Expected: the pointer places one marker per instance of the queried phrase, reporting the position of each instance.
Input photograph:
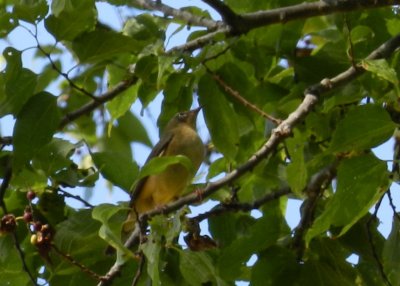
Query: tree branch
(307, 10)
(92, 105)
(234, 207)
(6, 140)
(230, 18)
(4, 186)
(22, 257)
(314, 190)
(76, 197)
(198, 42)
(250, 21)
(186, 16)
(372, 244)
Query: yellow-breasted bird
(179, 138)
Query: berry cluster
(41, 234)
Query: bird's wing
(157, 151)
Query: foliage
(294, 102)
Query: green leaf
(167, 228)
(117, 168)
(52, 206)
(228, 227)
(276, 266)
(28, 178)
(197, 268)
(119, 105)
(35, 126)
(360, 182)
(71, 20)
(10, 264)
(381, 68)
(320, 274)
(79, 229)
(391, 259)
(145, 28)
(147, 92)
(55, 156)
(264, 233)
(393, 26)
(361, 33)
(177, 96)
(31, 11)
(57, 6)
(152, 249)
(132, 129)
(73, 177)
(296, 171)
(102, 45)
(159, 164)
(111, 218)
(147, 68)
(7, 23)
(364, 127)
(219, 116)
(19, 83)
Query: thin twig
(198, 42)
(84, 269)
(389, 194)
(139, 270)
(63, 74)
(89, 107)
(372, 244)
(22, 257)
(54, 66)
(241, 99)
(76, 197)
(314, 190)
(6, 140)
(245, 207)
(351, 50)
(217, 55)
(4, 186)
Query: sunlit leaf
(364, 127)
(35, 126)
(382, 69)
(220, 117)
(360, 182)
(116, 167)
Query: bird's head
(185, 117)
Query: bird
(180, 137)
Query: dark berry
(8, 223)
(28, 216)
(38, 226)
(30, 195)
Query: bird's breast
(187, 142)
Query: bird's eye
(182, 116)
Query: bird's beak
(193, 115)
(196, 110)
